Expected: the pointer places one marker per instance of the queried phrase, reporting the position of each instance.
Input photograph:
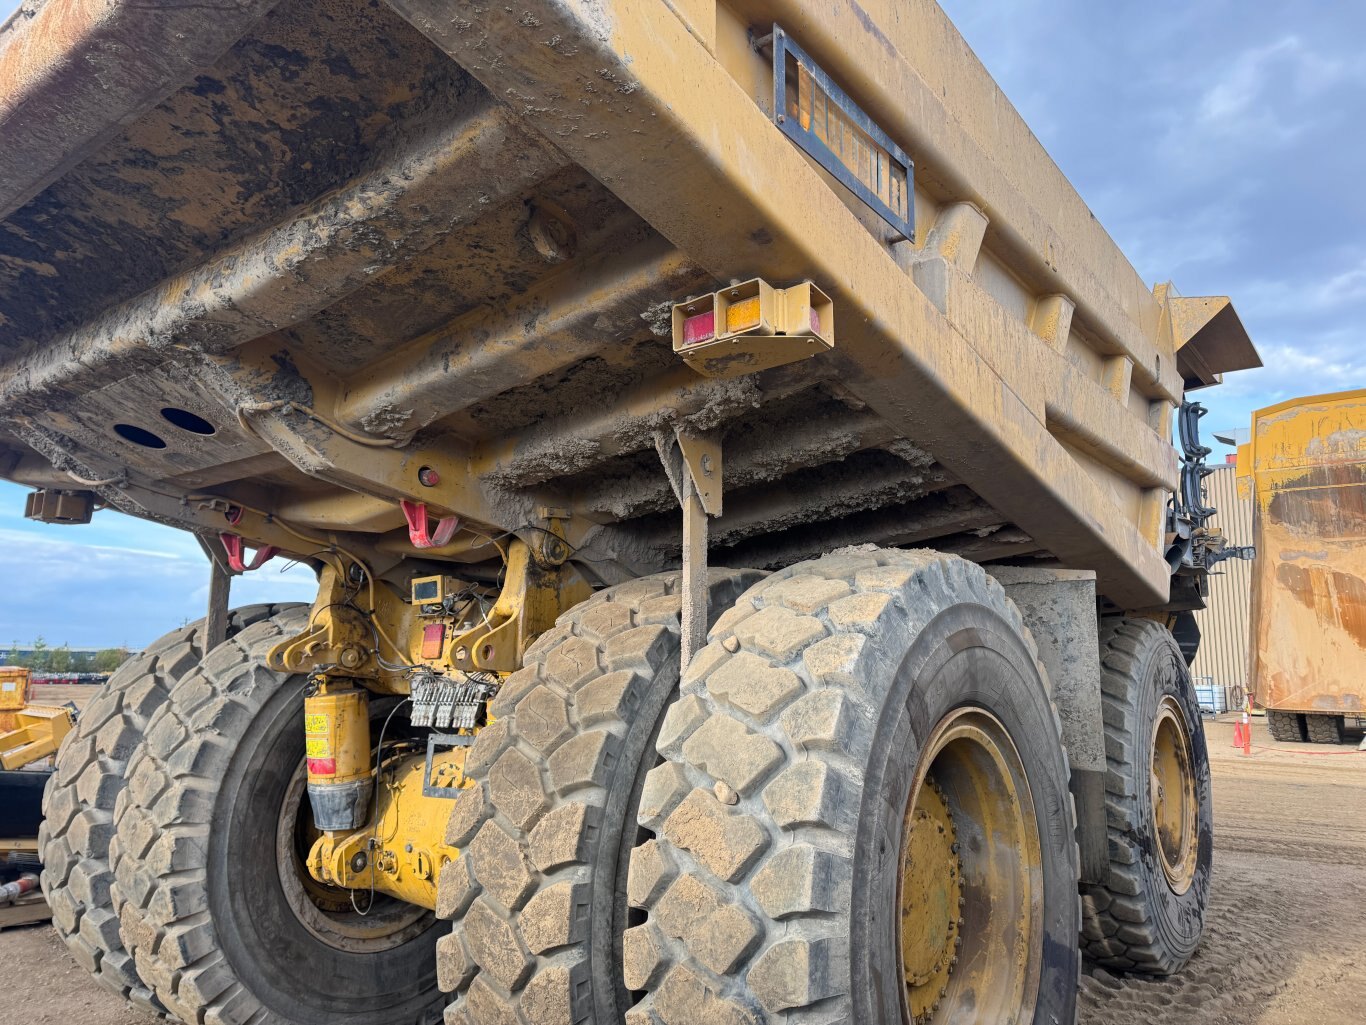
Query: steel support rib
(488, 353)
(643, 106)
(295, 269)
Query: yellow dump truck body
(1306, 466)
(294, 255)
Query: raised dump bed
(1305, 468)
(482, 310)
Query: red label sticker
(322, 766)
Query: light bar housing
(753, 326)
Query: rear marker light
(701, 328)
(433, 636)
(742, 315)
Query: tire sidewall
(966, 655)
(610, 907)
(1178, 918)
(297, 977)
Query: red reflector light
(433, 637)
(701, 328)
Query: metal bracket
(702, 459)
(696, 457)
(694, 467)
(442, 742)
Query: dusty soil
(1286, 943)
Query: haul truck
(516, 324)
(1304, 466)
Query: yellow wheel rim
(970, 893)
(1174, 802)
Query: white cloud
(115, 581)
(1261, 79)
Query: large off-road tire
(538, 896)
(1324, 729)
(214, 903)
(863, 815)
(1150, 914)
(79, 802)
(1287, 727)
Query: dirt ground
(1286, 942)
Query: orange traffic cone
(1242, 734)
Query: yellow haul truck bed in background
(1306, 466)
(514, 322)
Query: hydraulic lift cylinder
(337, 746)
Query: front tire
(863, 814)
(1149, 915)
(214, 901)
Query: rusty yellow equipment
(514, 323)
(1305, 467)
(38, 732)
(15, 682)
(29, 735)
(28, 732)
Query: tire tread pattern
(746, 883)
(1120, 925)
(1324, 729)
(81, 794)
(1287, 727)
(522, 892)
(160, 849)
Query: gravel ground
(1286, 943)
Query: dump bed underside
(450, 237)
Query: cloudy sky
(1220, 142)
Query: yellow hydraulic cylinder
(337, 747)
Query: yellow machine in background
(28, 733)
(1305, 466)
(14, 689)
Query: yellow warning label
(315, 722)
(317, 747)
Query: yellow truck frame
(491, 315)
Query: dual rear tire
(862, 813)
(855, 808)
(78, 806)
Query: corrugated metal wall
(1223, 651)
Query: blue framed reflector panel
(818, 116)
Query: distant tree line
(40, 657)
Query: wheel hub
(1175, 805)
(335, 916)
(931, 889)
(970, 886)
